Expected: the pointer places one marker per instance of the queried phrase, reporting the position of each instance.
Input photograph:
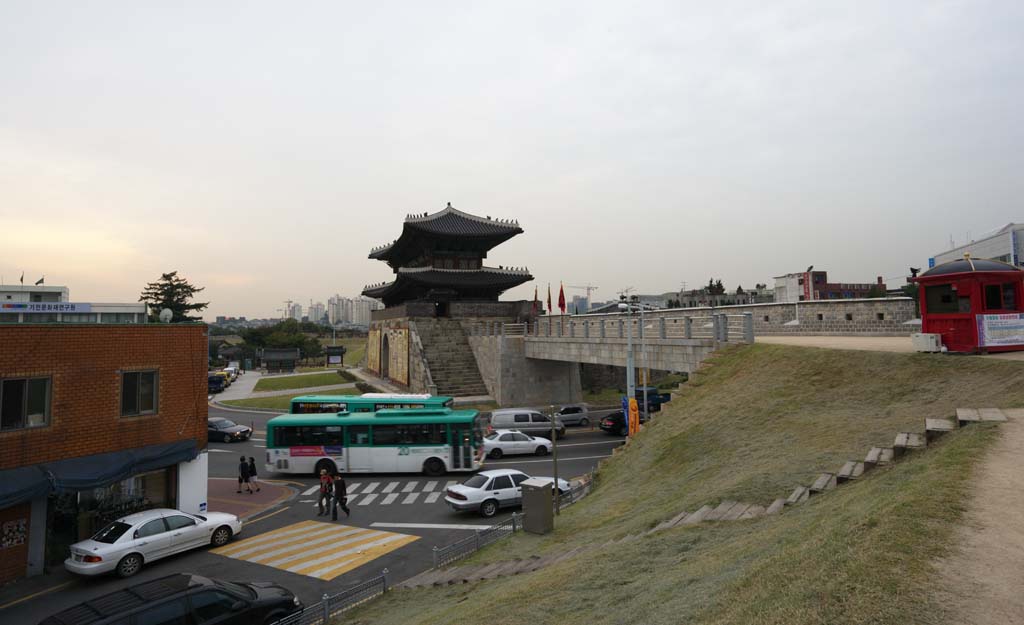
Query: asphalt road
(391, 529)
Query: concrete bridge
(521, 362)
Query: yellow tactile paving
(316, 549)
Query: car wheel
(541, 450)
(433, 467)
(496, 453)
(129, 565)
(488, 508)
(584, 422)
(327, 465)
(227, 438)
(221, 536)
(623, 431)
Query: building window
(880, 316)
(821, 317)
(849, 316)
(993, 297)
(8, 317)
(139, 393)
(941, 298)
(24, 403)
(766, 319)
(1009, 296)
(78, 317)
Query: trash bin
(537, 506)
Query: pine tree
(174, 293)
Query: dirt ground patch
(981, 583)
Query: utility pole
(554, 462)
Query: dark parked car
(226, 430)
(214, 384)
(184, 598)
(615, 423)
(574, 415)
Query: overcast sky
(261, 149)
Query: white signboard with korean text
(45, 307)
(1000, 330)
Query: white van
(527, 421)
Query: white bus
(430, 441)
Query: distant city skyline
(262, 153)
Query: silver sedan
(129, 542)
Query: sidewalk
(241, 387)
(308, 390)
(222, 497)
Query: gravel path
(982, 582)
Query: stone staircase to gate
(450, 359)
(903, 444)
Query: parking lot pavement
(409, 507)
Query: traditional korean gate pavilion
(974, 304)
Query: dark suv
(615, 423)
(184, 598)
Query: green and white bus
(426, 440)
(367, 402)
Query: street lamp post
(643, 352)
(554, 462)
(630, 367)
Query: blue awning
(22, 484)
(85, 472)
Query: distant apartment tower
(1005, 244)
(579, 304)
(295, 312)
(316, 312)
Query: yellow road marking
(316, 549)
(266, 516)
(36, 594)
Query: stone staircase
(450, 359)
(904, 443)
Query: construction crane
(287, 308)
(588, 288)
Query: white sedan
(489, 491)
(508, 442)
(127, 543)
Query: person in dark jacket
(243, 475)
(252, 474)
(326, 487)
(340, 498)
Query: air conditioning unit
(926, 342)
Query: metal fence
(330, 606)
(456, 551)
(719, 327)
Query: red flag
(550, 309)
(561, 298)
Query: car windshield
(477, 481)
(223, 424)
(111, 532)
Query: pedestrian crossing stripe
(316, 549)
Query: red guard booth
(975, 304)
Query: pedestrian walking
(340, 498)
(253, 479)
(243, 475)
(326, 487)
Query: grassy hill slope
(760, 420)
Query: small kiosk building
(974, 304)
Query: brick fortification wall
(84, 363)
(896, 316)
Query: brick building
(96, 421)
